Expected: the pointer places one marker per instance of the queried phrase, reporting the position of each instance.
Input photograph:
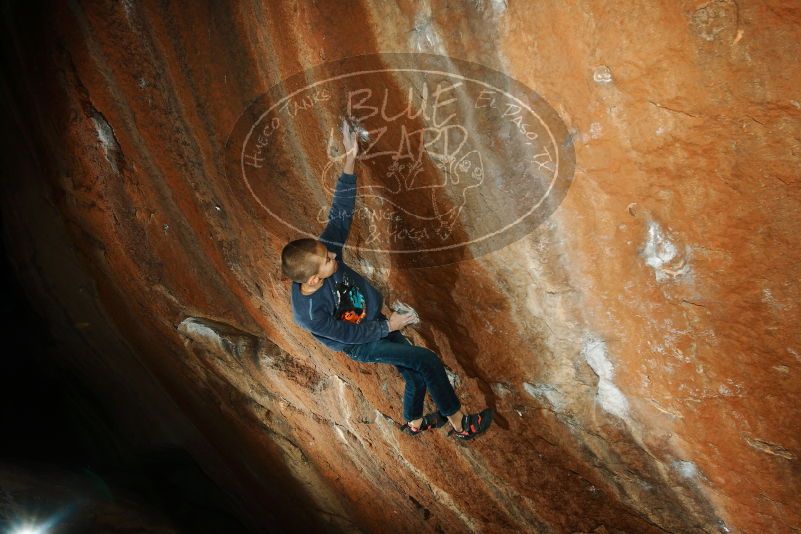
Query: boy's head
(307, 261)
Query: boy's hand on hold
(349, 139)
(398, 321)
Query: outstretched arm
(341, 213)
(349, 139)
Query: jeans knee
(414, 380)
(419, 380)
(429, 360)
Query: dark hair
(298, 259)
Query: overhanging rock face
(639, 343)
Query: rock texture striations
(640, 347)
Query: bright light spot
(27, 529)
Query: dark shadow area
(51, 420)
(60, 447)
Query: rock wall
(640, 347)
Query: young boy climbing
(343, 311)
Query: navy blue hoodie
(344, 311)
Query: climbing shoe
(431, 420)
(473, 425)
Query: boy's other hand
(349, 139)
(398, 321)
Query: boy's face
(328, 265)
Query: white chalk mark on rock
(610, 398)
(602, 74)
(663, 255)
(547, 393)
(105, 135)
(424, 36)
(687, 470)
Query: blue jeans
(420, 368)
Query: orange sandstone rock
(640, 346)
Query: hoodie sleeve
(350, 333)
(341, 214)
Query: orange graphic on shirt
(352, 317)
(350, 302)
